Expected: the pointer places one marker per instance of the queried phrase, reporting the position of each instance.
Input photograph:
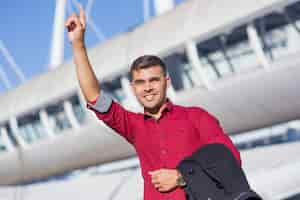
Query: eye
(155, 79)
(138, 82)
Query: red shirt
(163, 143)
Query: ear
(132, 87)
(169, 82)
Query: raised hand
(76, 27)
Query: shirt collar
(168, 108)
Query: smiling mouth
(149, 97)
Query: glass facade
(10, 135)
(114, 88)
(280, 33)
(2, 145)
(293, 197)
(182, 74)
(226, 54)
(30, 127)
(278, 134)
(58, 119)
(229, 53)
(78, 109)
(6, 134)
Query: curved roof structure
(274, 176)
(236, 59)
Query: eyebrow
(150, 79)
(139, 81)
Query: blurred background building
(237, 59)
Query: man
(164, 134)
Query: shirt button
(164, 151)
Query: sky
(26, 30)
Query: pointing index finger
(82, 15)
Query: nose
(148, 87)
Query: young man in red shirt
(164, 134)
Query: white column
(45, 121)
(193, 57)
(146, 10)
(15, 131)
(70, 114)
(7, 142)
(57, 45)
(256, 45)
(162, 6)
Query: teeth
(149, 97)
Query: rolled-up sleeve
(101, 104)
(113, 115)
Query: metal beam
(15, 131)
(7, 142)
(88, 9)
(257, 46)
(45, 121)
(99, 34)
(15, 67)
(4, 78)
(193, 57)
(70, 114)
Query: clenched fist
(164, 180)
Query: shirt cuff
(102, 103)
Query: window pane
(278, 33)
(30, 127)
(238, 50)
(10, 134)
(183, 75)
(58, 119)
(213, 58)
(114, 88)
(2, 145)
(277, 134)
(226, 54)
(78, 110)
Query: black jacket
(212, 173)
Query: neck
(156, 112)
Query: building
(238, 59)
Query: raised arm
(88, 82)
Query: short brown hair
(147, 61)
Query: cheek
(137, 91)
(162, 88)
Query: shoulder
(194, 112)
